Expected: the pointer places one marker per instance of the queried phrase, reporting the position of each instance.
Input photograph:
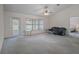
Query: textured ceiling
(34, 9)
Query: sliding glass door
(15, 26)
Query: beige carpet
(41, 44)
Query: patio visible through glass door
(15, 26)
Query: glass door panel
(15, 26)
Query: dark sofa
(58, 30)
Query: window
(33, 24)
(28, 25)
(41, 24)
(15, 26)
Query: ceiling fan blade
(38, 9)
(52, 11)
(41, 15)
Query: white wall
(63, 18)
(1, 26)
(8, 15)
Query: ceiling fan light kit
(46, 14)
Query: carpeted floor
(41, 44)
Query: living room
(26, 29)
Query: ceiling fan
(46, 11)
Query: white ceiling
(34, 8)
